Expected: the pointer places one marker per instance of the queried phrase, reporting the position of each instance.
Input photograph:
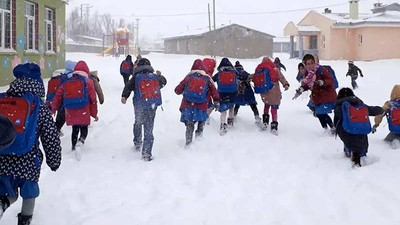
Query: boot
(24, 220)
(347, 152)
(223, 129)
(266, 120)
(259, 122)
(230, 122)
(355, 158)
(274, 127)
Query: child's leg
(255, 110)
(74, 136)
(200, 128)
(274, 113)
(5, 202)
(236, 110)
(60, 119)
(266, 114)
(266, 109)
(223, 117)
(231, 116)
(325, 120)
(189, 131)
(28, 206)
(84, 133)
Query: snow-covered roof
(281, 39)
(308, 28)
(89, 38)
(377, 19)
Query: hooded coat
(245, 91)
(28, 166)
(394, 95)
(325, 93)
(78, 116)
(354, 142)
(227, 100)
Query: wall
(47, 62)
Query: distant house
(350, 36)
(230, 41)
(282, 44)
(82, 39)
(31, 31)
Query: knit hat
(238, 65)
(82, 66)
(69, 66)
(28, 70)
(144, 62)
(198, 65)
(345, 92)
(7, 132)
(129, 58)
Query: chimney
(377, 5)
(353, 12)
(327, 11)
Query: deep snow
(245, 177)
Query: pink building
(349, 36)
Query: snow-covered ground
(247, 177)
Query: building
(230, 41)
(282, 45)
(31, 31)
(349, 36)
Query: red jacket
(325, 93)
(212, 91)
(210, 66)
(78, 116)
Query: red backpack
(52, 86)
(125, 67)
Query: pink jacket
(78, 116)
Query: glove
(374, 128)
(216, 105)
(286, 86)
(319, 82)
(54, 169)
(361, 75)
(299, 91)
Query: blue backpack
(356, 119)
(23, 113)
(196, 88)
(332, 72)
(147, 90)
(227, 81)
(262, 81)
(75, 92)
(125, 67)
(52, 86)
(394, 117)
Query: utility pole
(85, 28)
(209, 17)
(137, 31)
(214, 14)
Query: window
(49, 24)
(323, 41)
(360, 38)
(313, 42)
(30, 24)
(5, 24)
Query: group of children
(25, 117)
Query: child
(126, 68)
(20, 162)
(53, 84)
(196, 87)
(226, 79)
(301, 72)
(323, 94)
(78, 108)
(353, 73)
(147, 96)
(278, 64)
(209, 65)
(96, 81)
(245, 93)
(271, 97)
(352, 124)
(392, 110)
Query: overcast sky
(272, 23)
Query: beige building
(349, 36)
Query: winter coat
(353, 71)
(212, 91)
(355, 142)
(395, 95)
(78, 116)
(97, 87)
(130, 86)
(28, 166)
(245, 91)
(274, 96)
(325, 93)
(225, 97)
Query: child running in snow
(77, 94)
(246, 94)
(392, 111)
(323, 94)
(353, 73)
(272, 97)
(352, 124)
(147, 97)
(226, 79)
(196, 87)
(20, 160)
(209, 64)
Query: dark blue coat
(245, 93)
